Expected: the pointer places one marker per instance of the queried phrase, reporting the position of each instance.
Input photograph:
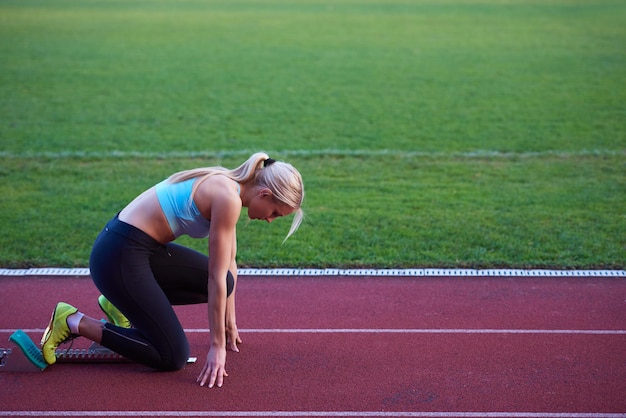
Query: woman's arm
(224, 213)
(232, 333)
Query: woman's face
(264, 207)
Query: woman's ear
(265, 192)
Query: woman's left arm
(232, 334)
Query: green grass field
(443, 133)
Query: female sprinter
(141, 273)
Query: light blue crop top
(180, 210)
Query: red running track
(356, 346)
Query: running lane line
(311, 414)
(391, 331)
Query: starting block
(23, 355)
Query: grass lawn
(429, 133)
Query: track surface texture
(354, 346)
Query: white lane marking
(389, 331)
(313, 414)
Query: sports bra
(180, 210)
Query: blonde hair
(281, 178)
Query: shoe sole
(48, 332)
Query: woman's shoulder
(218, 184)
(217, 192)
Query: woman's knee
(175, 365)
(230, 283)
(176, 360)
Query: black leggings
(143, 279)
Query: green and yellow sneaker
(57, 332)
(113, 314)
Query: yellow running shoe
(113, 314)
(57, 332)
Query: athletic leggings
(143, 279)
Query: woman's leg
(183, 274)
(120, 268)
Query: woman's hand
(214, 369)
(232, 337)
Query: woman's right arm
(223, 206)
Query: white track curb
(424, 272)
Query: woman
(141, 273)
